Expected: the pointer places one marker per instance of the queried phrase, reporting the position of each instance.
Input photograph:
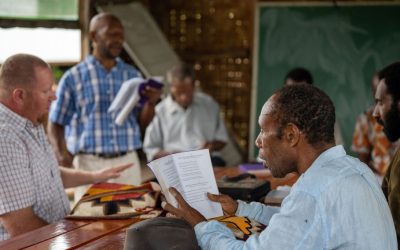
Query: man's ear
(19, 96)
(292, 134)
(92, 37)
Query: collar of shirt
(93, 60)
(173, 107)
(14, 119)
(22, 124)
(328, 155)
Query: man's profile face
(39, 96)
(386, 112)
(272, 149)
(182, 91)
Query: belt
(106, 155)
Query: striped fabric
(84, 95)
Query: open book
(130, 94)
(192, 175)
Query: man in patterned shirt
(31, 183)
(91, 138)
(369, 141)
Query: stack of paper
(129, 96)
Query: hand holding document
(192, 175)
(130, 95)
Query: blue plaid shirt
(83, 96)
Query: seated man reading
(335, 204)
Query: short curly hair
(299, 75)
(391, 75)
(309, 108)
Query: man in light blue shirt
(336, 203)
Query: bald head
(102, 20)
(107, 38)
(19, 71)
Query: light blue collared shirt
(336, 204)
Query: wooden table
(74, 234)
(99, 234)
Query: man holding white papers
(84, 95)
(336, 203)
(185, 120)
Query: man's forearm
(146, 115)
(57, 140)
(21, 221)
(74, 178)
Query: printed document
(191, 173)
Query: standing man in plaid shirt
(80, 128)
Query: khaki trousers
(88, 162)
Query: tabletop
(101, 234)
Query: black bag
(161, 233)
(243, 187)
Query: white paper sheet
(126, 99)
(192, 175)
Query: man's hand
(162, 153)
(228, 204)
(108, 173)
(214, 145)
(153, 94)
(208, 145)
(65, 160)
(191, 215)
(148, 111)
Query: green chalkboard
(342, 46)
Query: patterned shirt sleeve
(16, 187)
(63, 108)
(361, 143)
